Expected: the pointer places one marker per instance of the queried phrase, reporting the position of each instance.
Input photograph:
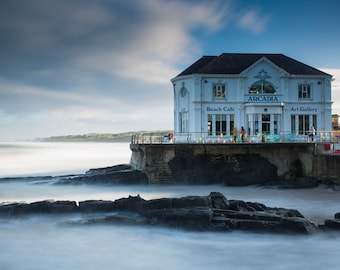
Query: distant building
(335, 121)
(264, 93)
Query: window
(256, 123)
(315, 121)
(292, 124)
(220, 124)
(303, 124)
(184, 122)
(231, 124)
(305, 91)
(276, 123)
(219, 91)
(209, 124)
(262, 87)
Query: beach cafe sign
(263, 98)
(220, 109)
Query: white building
(271, 95)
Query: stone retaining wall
(218, 163)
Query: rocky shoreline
(124, 174)
(213, 212)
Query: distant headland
(99, 137)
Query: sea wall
(232, 164)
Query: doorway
(266, 123)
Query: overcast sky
(83, 66)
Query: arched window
(262, 87)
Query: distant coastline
(98, 137)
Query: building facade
(272, 96)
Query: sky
(72, 67)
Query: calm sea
(43, 242)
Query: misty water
(46, 242)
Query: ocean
(45, 242)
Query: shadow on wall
(231, 170)
(296, 169)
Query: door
(266, 123)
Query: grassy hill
(99, 137)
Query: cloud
(71, 66)
(335, 88)
(253, 21)
(137, 39)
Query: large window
(220, 124)
(302, 123)
(305, 91)
(262, 87)
(219, 91)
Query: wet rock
(132, 203)
(297, 225)
(213, 213)
(219, 201)
(332, 224)
(41, 207)
(118, 174)
(13, 209)
(97, 206)
(63, 207)
(196, 218)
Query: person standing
(235, 134)
(312, 132)
(242, 134)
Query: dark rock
(13, 209)
(96, 206)
(116, 219)
(257, 206)
(36, 179)
(98, 171)
(219, 201)
(132, 203)
(213, 212)
(298, 225)
(227, 224)
(247, 215)
(41, 207)
(332, 224)
(118, 174)
(197, 218)
(191, 201)
(239, 205)
(63, 207)
(289, 212)
(155, 204)
(214, 200)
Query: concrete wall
(291, 160)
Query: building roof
(235, 63)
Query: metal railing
(326, 142)
(197, 137)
